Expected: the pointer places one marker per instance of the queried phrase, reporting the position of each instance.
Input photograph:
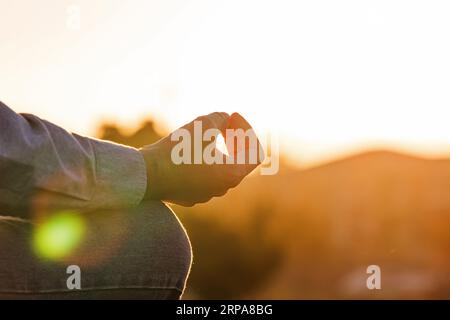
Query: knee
(165, 243)
(146, 247)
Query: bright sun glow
(330, 76)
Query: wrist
(153, 182)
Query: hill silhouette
(333, 221)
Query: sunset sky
(332, 77)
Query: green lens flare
(57, 237)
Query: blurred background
(357, 91)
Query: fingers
(244, 149)
(216, 178)
(204, 130)
(215, 120)
(237, 121)
(242, 142)
(216, 123)
(230, 173)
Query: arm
(39, 160)
(44, 166)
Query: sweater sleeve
(39, 160)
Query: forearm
(40, 158)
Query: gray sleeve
(41, 162)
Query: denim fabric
(142, 252)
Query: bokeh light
(59, 235)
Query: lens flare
(59, 235)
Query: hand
(188, 184)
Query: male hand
(188, 184)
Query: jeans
(139, 253)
